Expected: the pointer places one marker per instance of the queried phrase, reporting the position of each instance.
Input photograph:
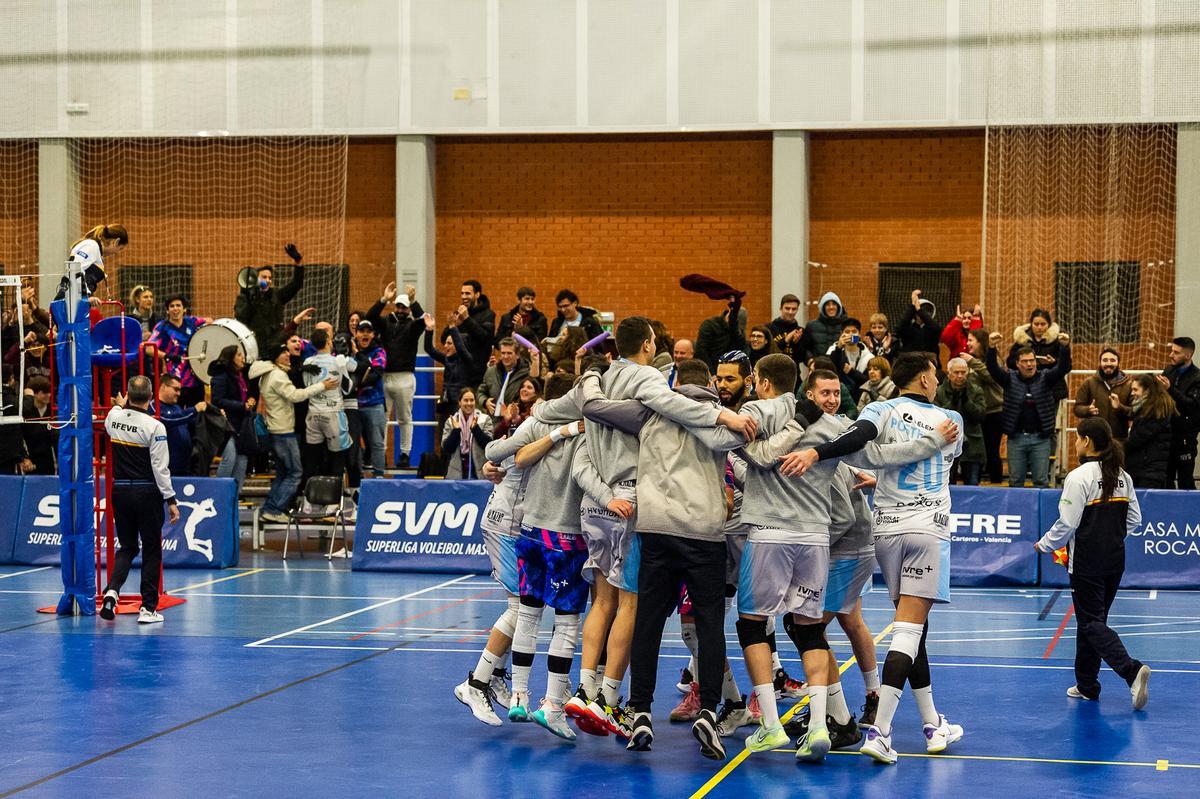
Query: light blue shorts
(849, 581)
(502, 552)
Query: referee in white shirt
(141, 484)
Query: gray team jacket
(850, 518)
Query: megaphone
(247, 277)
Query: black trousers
(353, 460)
(668, 562)
(138, 514)
(1095, 640)
(1181, 468)
(993, 432)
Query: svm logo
(47, 511)
(431, 518)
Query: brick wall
(617, 219)
(18, 206)
(370, 247)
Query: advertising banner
(421, 525)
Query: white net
(199, 209)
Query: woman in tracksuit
(1097, 509)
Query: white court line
(386, 602)
(27, 571)
(1049, 637)
(1154, 594)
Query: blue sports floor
(307, 679)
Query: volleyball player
(912, 540)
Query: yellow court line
(1159, 765)
(218, 580)
(715, 780)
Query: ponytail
(103, 233)
(1108, 450)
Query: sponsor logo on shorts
(808, 593)
(941, 519)
(916, 571)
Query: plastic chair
(322, 490)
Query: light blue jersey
(914, 498)
(330, 365)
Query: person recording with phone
(851, 356)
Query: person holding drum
(172, 336)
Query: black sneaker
(403, 461)
(786, 687)
(684, 686)
(641, 734)
(869, 709)
(797, 726)
(108, 609)
(840, 735)
(704, 730)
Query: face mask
(263, 284)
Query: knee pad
(730, 592)
(806, 637)
(565, 636)
(506, 625)
(529, 619)
(906, 639)
(750, 632)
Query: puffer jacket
(1148, 451)
(1047, 345)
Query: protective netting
(18, 208)
(1080, 220)
(199, 209)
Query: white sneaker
(108, 608)
(550, 716)
(939, 737)
(1140, 690)
(273, 517)
(1075, 693)
(878, 746)
(146, 616)
(500, 689)
(733, 716)
(474, 695)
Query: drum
(208, 341)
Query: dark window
(1098, 302)
(940, 283)
(165, 280)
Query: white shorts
(915, 564)
(849, 581)
(614, 552)
(782, 578)
(328, 428)
(502, 552)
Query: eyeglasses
(733, 356)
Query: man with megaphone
(260, 307)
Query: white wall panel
(718, 61)
(1001, 74)
(104, 70)
(810, 62)
(28, 66)
(537, 63)
(627, 62)
(1177, 58)
(188, 66)
(274, 66)
(904, 61)
(1097, 57)
(449, 52)
(360, 48)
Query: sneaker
(518, 711)
(403, 461)
(578, 708)
(498, 685)
(147, 616)
(813, 747)
(475, 695)
(706, 731)
(641, 733)
(686, 678)
(938, 737)
(787, 688)
(550, 716)
(273, 517)
(752, 706)
(733, 716)
(870, 707)
(619, 722)
(1140, 688)
(841, 736)
(764, 740)
(688, 708)
(108, 610)
(1075, 693)
(878, 746)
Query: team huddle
(740, 487)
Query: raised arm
(502, 449)
(533, 452)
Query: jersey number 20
(930, 477)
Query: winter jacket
(536, 321)
(873, 391)
(993, 393)
(278, 396)
(493, 382)
(858, 366)
(1039, 389)
(479, 331)
(481, 435)
(918, 332)
(456, 372)
(398, 335)
(718, 336)
(1148, 450)
(262, 311)
(41, 440)
(876, 346)
(954, 336)
(180, 422)
(824, 331)
(369, 368)
(1185, 390)
(1047, 345)
(228, 394)
(780, 329)
(970, 403)
(1096, 390)
(588, 321)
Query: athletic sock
(729, 686)
(611, 691)
(871, 679)
(889, 700)
(818, 706)
(924, 697)
(485, 666)
(558, 687)
(837, 704)
(687, 632)
(906, 640)
(589, 682)
(766, 703)
(502, 663)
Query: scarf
(465, 440)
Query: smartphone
(854, 340)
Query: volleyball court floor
(307, 679)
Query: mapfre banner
(993, 533)
(205, 537)
(421, 525)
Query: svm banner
(421, 525)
